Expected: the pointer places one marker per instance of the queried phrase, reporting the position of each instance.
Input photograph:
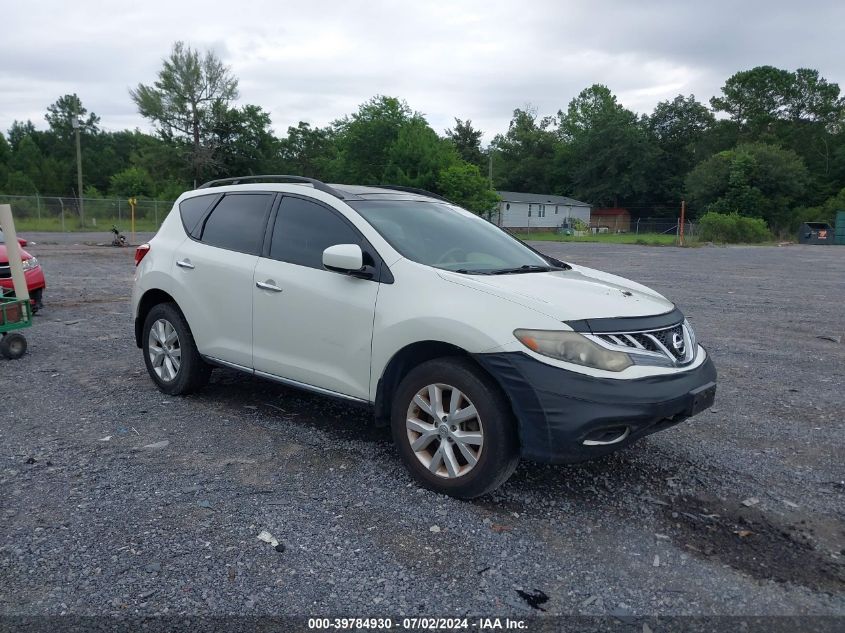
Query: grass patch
(54, 225)
(645, 239)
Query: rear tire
(454, 428)
(170, 353)
(13, 346)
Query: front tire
(170, 353)
(37, 298)
(454, 429)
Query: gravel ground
(116, 499)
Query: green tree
(182, 102)
(130, 182)
(92, 192)
(524, 157)
(308, 151)
(607, 152)
(680, 123)
(61, 114)
(467, 142)
(678, 127)
(814, 99)
(20, 131)
(19, 184)
(753, 179)
(31, 170)
(365, 139)
(463, 184)
(166, 162)
(244, 142)
(5, 157)
(755, 97)
(417, 156)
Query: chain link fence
(51, 213)
(665, 226)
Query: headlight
(692, 342)
(29, 264)
(573, 348)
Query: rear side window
(305, 229)
(192, 211)
(238, 222)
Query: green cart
(15, 314)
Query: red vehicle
(32, 272)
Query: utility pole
(681, 228)
(490, 166)
(490, 182)
(76, 126)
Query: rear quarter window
(192, 211)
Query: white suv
(476, 349)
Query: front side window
(445, 236)
(304, 229)
(238, 222)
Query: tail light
(141, 252)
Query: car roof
(361, 192)
(348, 193)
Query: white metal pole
(13, 250)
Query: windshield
(2, 239)
(448, 237)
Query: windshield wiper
(464, 271)
(527, 268)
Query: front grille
(674, 345)
(5, 270)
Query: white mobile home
(522, 211)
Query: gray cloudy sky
(317, 60)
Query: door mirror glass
(343, 258)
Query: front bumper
(34, 280)
(559, 410)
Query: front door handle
(185, 263)
(268, 285)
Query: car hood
(579, 293)
(4, 257)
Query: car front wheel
(454, 428)
(170, 354)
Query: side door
(311, 325)
(214, 273)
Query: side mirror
(22, 241)
(344, 258)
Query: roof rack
(317, 184)
(421, 192)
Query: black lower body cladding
(558, 409)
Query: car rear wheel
(454, 429)
(13, 346)
(170, 353)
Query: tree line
(771, 146)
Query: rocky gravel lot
(117, 499)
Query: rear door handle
(185, 263)
(268, 285)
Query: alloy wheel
(444, 430)
(164, 350)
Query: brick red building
(616, 219)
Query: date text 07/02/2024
(418, 624)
